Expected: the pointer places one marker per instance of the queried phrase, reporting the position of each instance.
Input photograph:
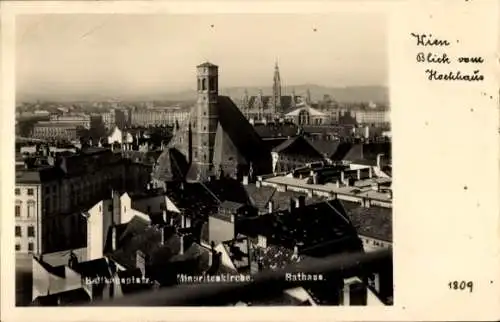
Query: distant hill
(349, 94)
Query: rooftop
(261, 196)
(374, 222)
(365, 192)
(314, 229)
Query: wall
(220, 230)
(30, 210)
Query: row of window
(29, 191)
(30, 247)
(31, 208)
(19, 232)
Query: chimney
(181, 248)
(164, 213)
(292, 204)
(358, 174)
(342, 176)
(315, 178)
(348, 182)
(338, 183)
(370, 172)
(162, 234)
(302, 201)
(379, 160)
(270, 206)
(295, 254)
(297, 202)
(245, 180)
(113, 238)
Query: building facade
(159, 116)
(54, 131)
(49, 197)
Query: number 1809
(461, 285)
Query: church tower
(277, 89)
(205, 120)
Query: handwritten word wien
(427, 40)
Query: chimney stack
(338, 183)
(342, 176)
(358, 174)
(297, 202)
(165, 219)
(379, 160)
(315, 178)
(302, 201)
(181, 250)
(245, 180)
(162, 234)
(113, 237)
(270, 206)
(370, 172)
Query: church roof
(171, 165)
(244, 137)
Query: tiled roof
(375, 222)
(307, 227)
(281, 199)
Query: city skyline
(63, 55)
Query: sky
(124, 55)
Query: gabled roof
(298, 145)
(326, 147)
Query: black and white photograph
(203, 160)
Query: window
(30, 192)
(18, 231)
(31, 231)
(18, 247)
(18, 191)
(31, 209)
(18, 210)
(30, 247)
(204, 84)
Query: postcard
(171, 160)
